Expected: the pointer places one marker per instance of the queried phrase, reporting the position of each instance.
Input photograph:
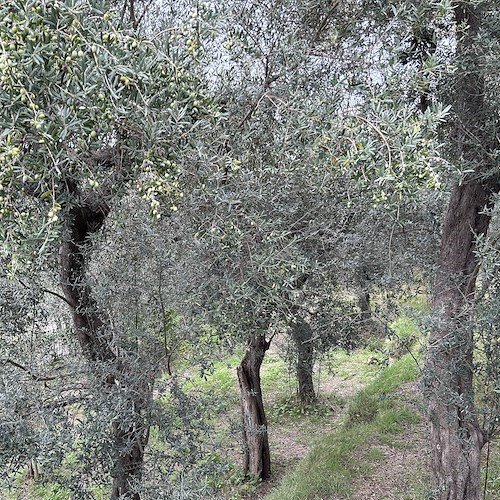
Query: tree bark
(364, 305)
(303, 335)
(110, 365)
(456, 436)
(130, 443)
(32, 472)
(257, 460)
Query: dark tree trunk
(32, 473)
(456, 436)
(96, 341)
(130, 443)
(364, 305)
(257, 460)
(303, 337)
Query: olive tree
(428, 40)
(303, 139)
(472, 145)
(90, 111)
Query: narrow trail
(404, 464)
(396, 467)
(290, 444)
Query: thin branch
(382, 136)
(141, 17)
(37, 378)
(59, 296)
(49, 292)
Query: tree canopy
(188, 181)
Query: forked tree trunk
(257, 460)
(96, 341)
(303, 336)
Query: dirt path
(405, 464)
(291, 443)
(397, 467)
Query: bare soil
(402, 465)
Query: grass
(338, 460)
(356, 444)
(220, 381)
(361, 364)
(373, 414)
(38, 491)
(275, 376)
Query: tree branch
(37, 378)
(55, 294)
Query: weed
(291, 408)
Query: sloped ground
(401, 470)
(375, 447)
(291, 441)
(292, 434)
(386, 457)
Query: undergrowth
(375, 415)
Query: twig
(28, 371)
(59, 296)
(141, 17)
(382, 136)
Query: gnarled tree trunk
(456, 436)
(257, 460)
(303, 336)
(94, 335)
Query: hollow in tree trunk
(94, 335)
(257, 460)
(303, 335)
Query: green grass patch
(291, 409)
(221, 381)
(39, 491)
(368, 402)
(419, 303)
(404, 338)
(361, 365)
(375, 454)
(405, 327)
(275, 376)
(338, 460)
